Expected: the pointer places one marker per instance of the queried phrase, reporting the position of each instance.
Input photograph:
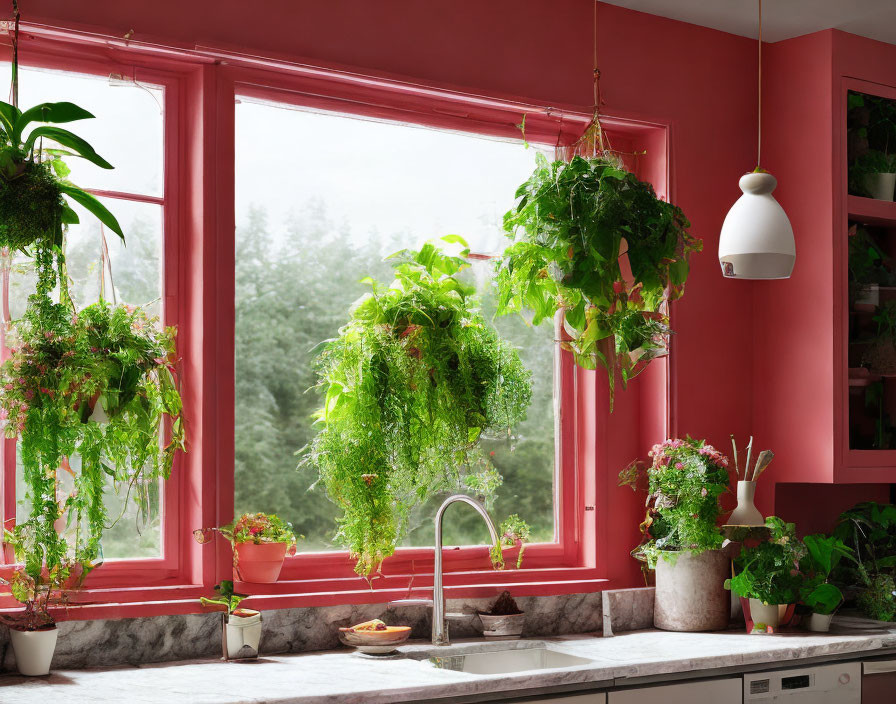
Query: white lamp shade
(757, 240)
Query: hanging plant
(65, 373)
(574, 227)
(411, 383)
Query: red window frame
(199, 231)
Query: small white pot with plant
(873, 175)
(822, 556)
(241, 628)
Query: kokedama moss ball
(30, 207)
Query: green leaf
(8, 116)
(48, 112)
(94, 206)
(67, 139)
(69, 216)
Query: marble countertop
(348, 678)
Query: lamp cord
(14, 84)
(759, 128)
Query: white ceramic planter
(868, 297)
(241, 636)
(34, 650)
(746, 513)
(769, 614)
(881, 186)
(820, 623)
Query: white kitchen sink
(498, 662)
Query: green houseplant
(869, 528)
(880, 356)
(822, 556)
(577, 228)
(241, 631)
(768, 573)
(411, 383)
(681, 535)
(260, 543)
(871, 130)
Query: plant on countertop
(823, 554)
(504, 605)
(869, 528)
(227, 598)
(576, 226)
(411, 383)
(685, 480)
(769, 571)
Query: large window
(128, 132)
(314, 215)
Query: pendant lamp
(756, 241)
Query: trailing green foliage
(685, 481)
(65, 373)
(769, 571)
(227, 598)
(33, 178)
(823, 554)
(574, 226)
(255, 528)
(411, 384)
(514, 531)
(869, 529)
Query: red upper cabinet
(815, 400)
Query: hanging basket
(31, 208)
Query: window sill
(184, 599)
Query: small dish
(375, 642)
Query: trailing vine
(576, 228)
(411, 383)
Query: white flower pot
(881, 186)
(34, 650)
(769, 614)
(746, 513)
(820, 623)
(99, 414)
(241, 636)
(868, 297)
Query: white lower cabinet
(727, 691)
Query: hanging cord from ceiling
(759, 90)
(14, 84)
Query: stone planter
(34, 650)
(690, 591)
(241, 635)
(259, 563)
(502, 627)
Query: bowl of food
(374, 637)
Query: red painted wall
(699, 81)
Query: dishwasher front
(879, 681)
(825, 684)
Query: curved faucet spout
(439, 630)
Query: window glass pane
(311, 223)
(127, 130)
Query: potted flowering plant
(33, 631)
(260, 544)
(241, 630)
(682, 539)
(514, 534)
(768, 575)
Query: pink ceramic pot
(258, 563)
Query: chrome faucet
(439, 627)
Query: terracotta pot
(258, 562)
(690, 591)
(34, 650)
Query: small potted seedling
(504, 620)
(241, 631)
(260, 544)
(822, 556)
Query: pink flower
(21, 381)
(679, 465)
(8, 387)
(29, 394)
(4, 414)
(703, 492)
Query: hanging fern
(411, 384)
(574, 225)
